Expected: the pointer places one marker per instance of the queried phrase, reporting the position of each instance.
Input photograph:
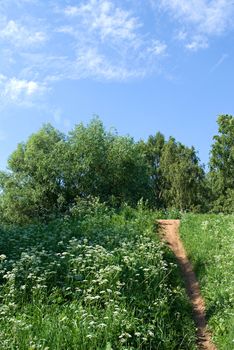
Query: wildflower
(151, 334)
(137, 334)
(102, 325)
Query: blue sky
(142, 66)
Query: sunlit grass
(209, 241)
(96, 280)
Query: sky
(142, 66)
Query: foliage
(34, 187)
(96, 280)
(209, 241)
(183, 177)
(48, 172)
(105, 165)
(177, 180)
(152, 149)
(222, 166)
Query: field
(102, 279)
(209, 241)
(96, 280)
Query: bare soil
(170, 233)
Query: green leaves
(177, 179)
(222, 166)
(34, 186)
(50, 170)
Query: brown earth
(170, 233)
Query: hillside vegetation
(51, 171)
(98, 280)
(209, 241)
(81, 266)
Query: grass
(209, 241)
(97, 280)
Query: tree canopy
(222, 165)
(51, 171)
(48, 173)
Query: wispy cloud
(197, 42)
(202, 19)
(90, 63)
(20, 36)
(219, 62)
(211, 17)
(59, 119)
(106, 18)
(157, 48)
(109, 40)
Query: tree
(183, 179)
(105, 165)
(86, 160)
(34, 185)
(128, 175)
(221, 174)
(152, 150)
(47, 174)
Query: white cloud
(19, 35)
(110, 41)
(101, 39)
(2, 78)
(158, 48)
(202, 19)
(106, 18)
(211, 17)
(19, 91)
(91, 63)
(197, 42)
(181, 35)
(72, 10)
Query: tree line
(52, 172)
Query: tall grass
(95, 280)
(209, 241)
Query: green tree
(105, 165)
(128, 175)
(221, 174)
(183, 179)
(86, 160)
(50, 172)
(152, 150)
(34, 185)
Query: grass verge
(209, 241)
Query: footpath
(170, 233)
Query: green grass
(209, 241)
(96, 280)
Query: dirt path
(170, 231)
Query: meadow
(209, 241)
(100, 278)
(96, 279)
